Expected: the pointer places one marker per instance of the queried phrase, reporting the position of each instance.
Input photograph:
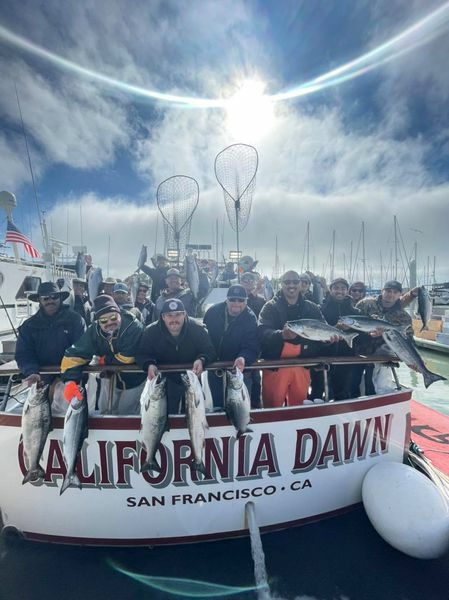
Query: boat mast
(363, 252)
(395, 248)
(308, 246)
(41, 221)
(333, 256)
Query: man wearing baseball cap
(114, 336)
(175, 338)
(157, 273)
(232, 328)
(174, 288)
(387, 306)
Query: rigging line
(31, 168)
(354, 266)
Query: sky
(344, 100)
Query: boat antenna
(44, 238)
(235, 170)
(177, 198)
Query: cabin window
(29, 284)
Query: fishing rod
(9, 318)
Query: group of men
(239, 330)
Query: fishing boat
(299, 464)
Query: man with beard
(287, 385)
(339, 304)
(114, 337)
(174, 338)
(44, 337)
(175, 289)
(82, 305)
(144, 304)
(232, 328)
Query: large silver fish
(94, 282)
(406, 351)
(154, 419)
(196, 418)
(75, 432)
(36, 424)
(237, 402)
(319, 331)
(268, 291)
(367, 324)
(192, 274)
(80, 266)
(424, 307)
(134, 284)
(143, 257)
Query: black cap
(172, 305)
(237, 291)
(393, 285)
(104, 304)
(47, 289)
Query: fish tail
(68, 481)
(424, 328)
(349, 338)
(33, 475)
(150, 465)
(430, 378)
(199, 467)
(242, 432)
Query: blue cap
(120, 287)
(237, 291)
(172, 305)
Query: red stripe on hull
(267, 415)
(430, 430)
(41, 537)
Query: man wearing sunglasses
(232, 328)
(287, 385)
(175, 338)
(114, 336)
(44, 337)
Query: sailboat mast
(308, 246)
(363, 252)
(395, 248)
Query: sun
(250, 114)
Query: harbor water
(336, 559)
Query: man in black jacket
(339, 304)
(232, 328)
(44, 337)
(158, 273)
(174, 339)
(289, 384)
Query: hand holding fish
(342, 326)
(152, 372)
(239, 363)
(377, 332)
(288, 334)
(198, 367)
(33, 378)
(71, 391)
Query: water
(342, 558)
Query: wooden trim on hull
(191, 539)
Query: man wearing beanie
(114, 337)
(339, 304)
(174, 339)
(232, 328)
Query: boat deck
(430, 431)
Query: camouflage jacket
(396, 315)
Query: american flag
(14, 235)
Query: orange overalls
(289, 385)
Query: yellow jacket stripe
(128, 360)
(68, 362)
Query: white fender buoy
(407, 510)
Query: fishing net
(177, 198)
(235, 170)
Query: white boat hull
(299, 465)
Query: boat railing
(322, 363)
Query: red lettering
(381, 434)
(214, 459)
(330, 447)
(265, 457)
(356, 439)
(302, 436)
(125, 463)
(55, 461)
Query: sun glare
(250, 114)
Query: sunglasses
(291, 282)
(50, 297)
(237, 299)
(104, 320)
